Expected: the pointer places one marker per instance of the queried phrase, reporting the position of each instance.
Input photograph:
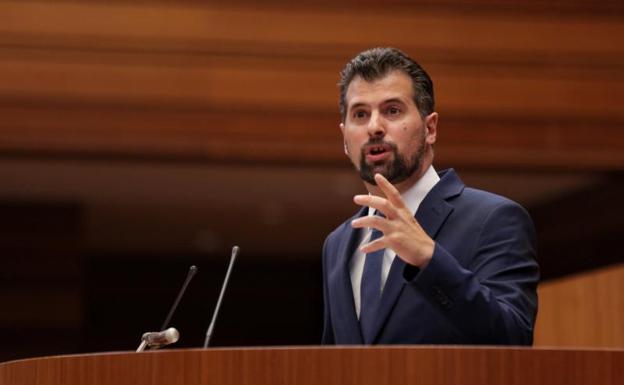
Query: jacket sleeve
(493, 299)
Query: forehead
(394, 85)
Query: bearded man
(426, 260)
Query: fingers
(391, 192)
(371, 247)
(387, 206)
(376, 222)
(373, 221)
(401, 231)
(378, 203)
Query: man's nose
(376, 125)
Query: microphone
(165, 337)
(235, 250)
(171, 335)
(189, 276)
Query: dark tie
(370, 289)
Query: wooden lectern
(421, 365)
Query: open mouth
(376, 152)
(377, 149)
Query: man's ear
(431, 123)
(346, 149)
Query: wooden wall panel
(445, 29)
(583, 310)
(266, 85)
(515, 89)
(244, 135)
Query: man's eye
(359, 114)
(394, 111)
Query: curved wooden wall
(583, 310)
(517, 86)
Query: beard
(396, 170)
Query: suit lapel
(341, 285)
(431, 215)
(434, 209)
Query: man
(426, 260)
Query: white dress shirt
(412, 198)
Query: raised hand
(401, 232)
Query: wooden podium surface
(326, 365)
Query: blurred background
(140, 137)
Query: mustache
(378, 142)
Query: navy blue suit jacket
(479, 287)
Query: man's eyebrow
(355, 105)
(387, 101)
(393, 100)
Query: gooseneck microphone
(189, 276)
(155, 340)
(235, 250)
